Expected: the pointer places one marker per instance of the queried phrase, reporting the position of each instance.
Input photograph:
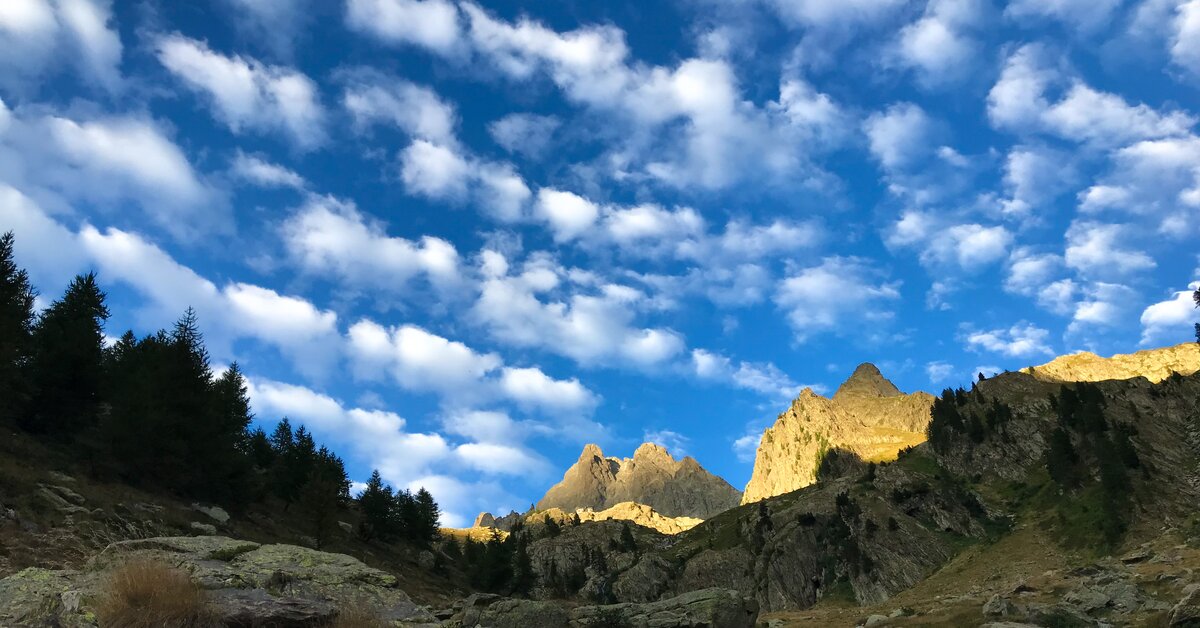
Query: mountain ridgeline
(674, 488)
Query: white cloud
(524, 133)
(372, 98)
(255, 170)
(684, 126)
(498, 459)
(766, 378)
(422, 361)
(1171, 320)
(567, 214)
(432, 24)
(1156, 178)
(746, 446)
(246, 94)
(899, 136)
(1102, 305)
(834, 296)
(37, 35)
(380, 438)
(1185, 47)
(673, 442)
(939, 371)
(1020, 340)
(589, 326)
(968, 247)
(1101, 250)
(1018, 102)
(416, 358)
(830, 13)
(333, 239)
(940, 46)
(532, 387)
(275, 24)
(1034, 176)
(435, 171)
(1087, 16)
(106, 163)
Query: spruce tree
(428, 517)
(16, 325)
(377, 504)
(67, 361)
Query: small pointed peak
(867, 381)
(651, 450)
(591, 450)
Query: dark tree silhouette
(16, 326)
(66, 366)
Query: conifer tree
(16, 326)
(428, 518)
(628, 543)
(66, 366)
(378, 509)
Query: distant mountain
(867, 415)
(673, 488)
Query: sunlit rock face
(1153, 364)
(867, 415)
(673, 488)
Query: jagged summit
(867, 415)
(867, 381)
(674, 488)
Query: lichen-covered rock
(1186, 614)
(35, 597)
(495, 612)
(216, 513)
(251, 584)
(696, 609)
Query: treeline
(151, 411)
(951, 418)
(1089, 458)
(502, 564)
(388, 515)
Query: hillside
(867, 415)
(673, 488)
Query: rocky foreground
(248, 584)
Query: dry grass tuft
(357, 617)
(146, 594)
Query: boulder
(215, 513)
(1186, 614)
(249, 608)
(696, 609)
(496, 612)
(997, 606)
(203, 528)
(250, 584)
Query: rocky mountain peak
(867, 381)
(867, 415)
(674, 488)
(590, 451)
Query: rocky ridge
(632, 512)
(1153, 364)
(867, 415)
(672, 488)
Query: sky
(458, 241)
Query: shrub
(147, 594)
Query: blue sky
(458, 241)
